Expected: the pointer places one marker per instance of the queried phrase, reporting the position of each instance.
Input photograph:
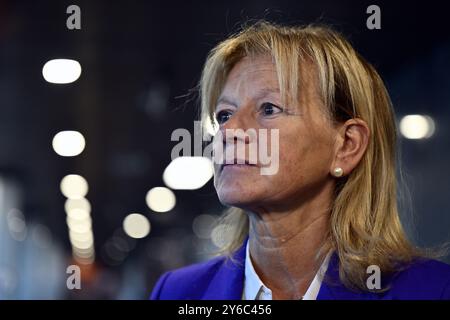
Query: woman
(326, 224)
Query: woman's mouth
(237, 165)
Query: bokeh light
(203, 225)
(188, 173)
(136, 225)
(417, 126)
(68, 143)
(160, 199)
(74, 186)
(61, 71)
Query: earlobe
(338, 172)
(355, 136)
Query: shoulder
(220, 278)
(422, 279)
(187, 282)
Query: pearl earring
(338, 172)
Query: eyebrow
(226, 100)
(260, 94)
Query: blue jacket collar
(230, 278)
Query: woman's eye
(223, 116)
(269, 109)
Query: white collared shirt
(255, 289)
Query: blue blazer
(223, 279)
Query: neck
(285, 246)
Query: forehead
(255, 78)
(252, 72)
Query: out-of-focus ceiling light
(61, 71)
(136, 226)
(74, 186)
(160, 199)
(188, 173)
(16, 224)
(68, 143)
(79, 226)
(81, 204)
(81, 237)
(417, 126)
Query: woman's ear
(351, 144)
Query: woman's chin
(235, 197)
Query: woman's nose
(236, 127)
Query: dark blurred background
(140, 62)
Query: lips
(237, 164)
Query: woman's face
(251, 99)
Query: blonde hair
(365, 227)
